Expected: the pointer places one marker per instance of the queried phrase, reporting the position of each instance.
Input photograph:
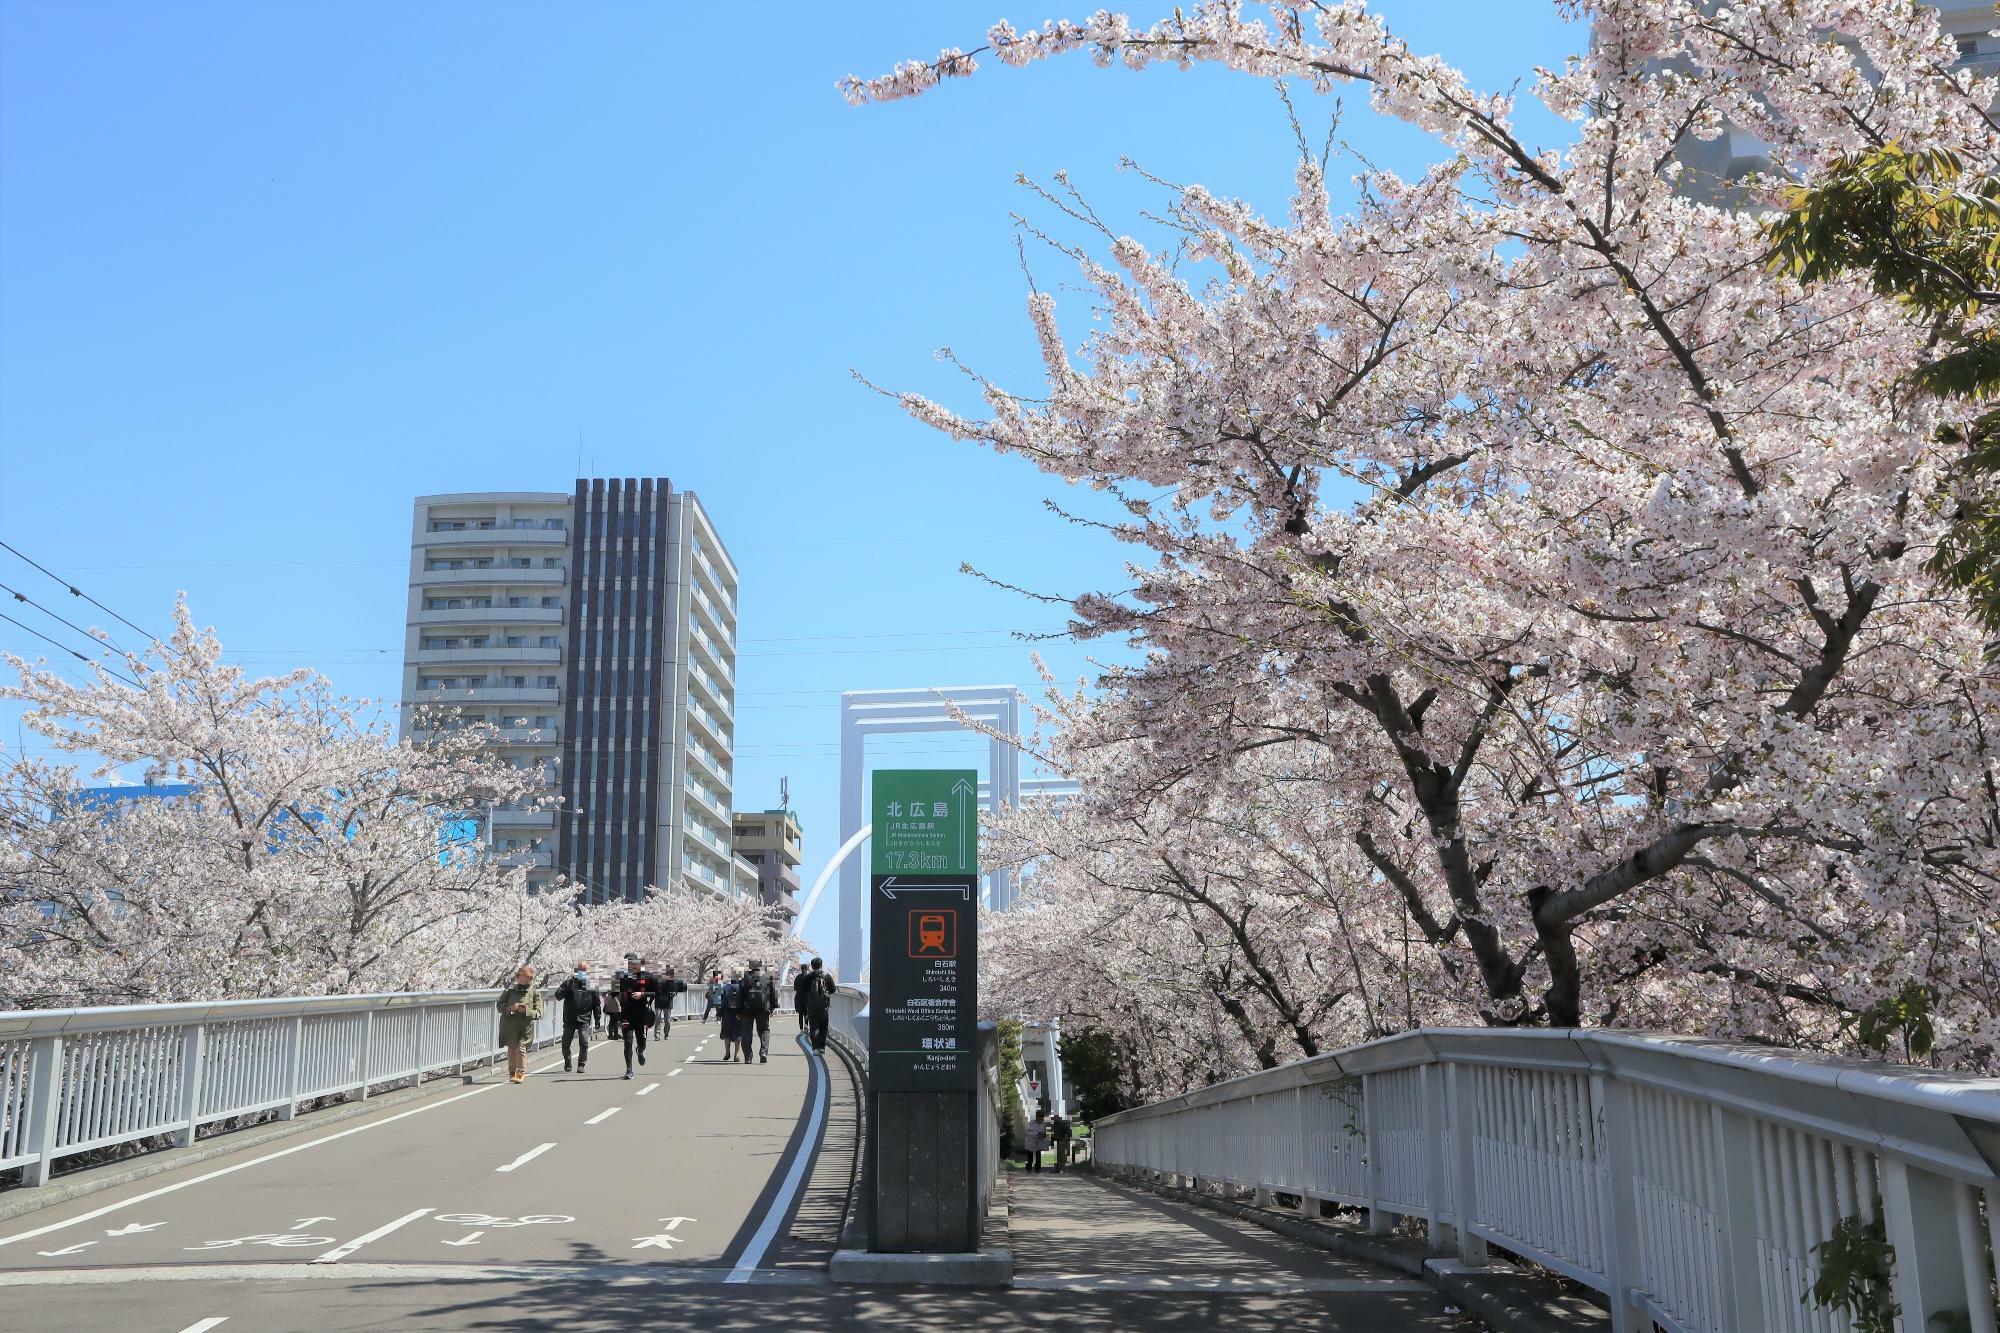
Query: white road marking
(471, 1239)
(526, 1157)
(767, 1230)
(69, 1249)
(650, 1086)
(640, 1279)
(688, 1061)
(305, 1222)
(660, 1242)
(602, 1116)
(339, 1252)
(134, 1228)
(202, 1326)
(96, 1213)
(672, 1073)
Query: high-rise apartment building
(771, 841)
(597, 631)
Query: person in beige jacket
(520, 1005)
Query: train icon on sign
(934, 932)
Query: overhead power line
(63, 647)
(20, 596)
(75, 591)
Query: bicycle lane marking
(205, 1177)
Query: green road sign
(924, 931)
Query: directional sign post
(923, 1038)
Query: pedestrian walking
(671, 989)
(582, 1006)
(638, 992)
(756, 998)
(1059, 1134)
(614, 1005)
(731, 1020)
(800, 985)
(1038, 1139)
(816, 1001)
(520, 1005)
(714, 997)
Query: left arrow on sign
(890, 888)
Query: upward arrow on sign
(963, 790)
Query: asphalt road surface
(692, 1165)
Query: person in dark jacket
(714, 995)
(814, 993)
(726, 1004)
(582, 1006)
(671, 989)
(638, 993)
(756, 1000)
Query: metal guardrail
(1690, 1179)
(76, 1080)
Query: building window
(545, 682)
(548, 641)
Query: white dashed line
(525, 1157)
(335, 1255)
(206, 1324)
(672, 1073)
(602, 1116)
(650, 1086)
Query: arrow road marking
(526, 1157)
(663, 1242)
(472, 1239)
(134, 1228)
(68, 1249)
(672, 1222)
(305, 1222)
(890, 888)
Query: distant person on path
(756, 997)
(815, 1001)
(1038, 1139)
(638, 991)
(670, 987)
(1060, 1133)
(801, 985)
(581, 1007)
(613, 1007)
(714, 995)
(520, 1004)
(726, 1007)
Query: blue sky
(267, 271)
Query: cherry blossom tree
(1555, 559)
(310, 853)
(693, 932)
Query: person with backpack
(726, 1006)
(756, 999)
(815, 1001)
(581, 1007)
(638, 993)
(714, 995)
(1059, 1134)
(613, 1007)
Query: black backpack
(754, 995)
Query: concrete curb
(1510, 1301)
(983, 1268)
(20, 1201)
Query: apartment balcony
(495, 654)
(529, 735)
(491, 615)
(495, 574)
(706, 609)
(513, 820)
(716, 587)
(496, 537)
(488, 694)
(709, 725)
(1981, 63)
(537, 859)
(714, 654)
(711, 691)
(708, 799)
(710, 763)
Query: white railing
(76, 1080)
(1691, 1178)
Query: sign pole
(923, 1040)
